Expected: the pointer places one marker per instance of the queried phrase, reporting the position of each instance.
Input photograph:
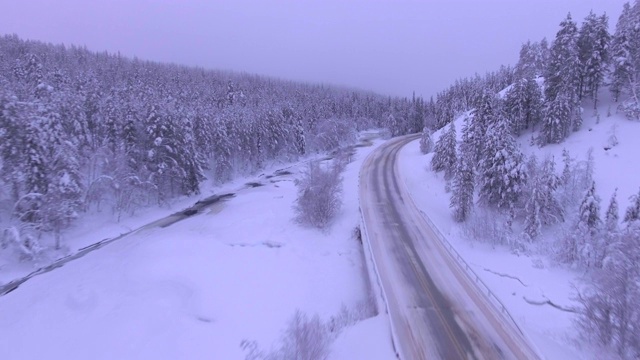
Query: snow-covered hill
(527, 283)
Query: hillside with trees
(81, 131)
(544, 101)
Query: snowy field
(198, 288)
(525, 282)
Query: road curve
(436, 310)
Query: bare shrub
(309, 338)
(319, 195)
(306, 338)
(351, 316)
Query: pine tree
(12, 144)
(621, 52)
(610, 231)
(426, 142)
(444, 158)
(589, 213)
(597, 63)
(532, 200)
(532, 60)
(588, 228)
(532, 222)
(551, 210)
(130, 138)
(62, 201)
(611, 217)
(593, 45)
(523, 103)
(562, 112)
(501, 169)
(561, 75)
(633, 211)
(463, 188)
(555, 123)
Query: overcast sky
(391, 47)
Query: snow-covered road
(436, 309)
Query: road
(437, 311)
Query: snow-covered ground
(198, 288)
(535, 277)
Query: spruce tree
(532, 222)
(589, 212)
(444, 158)
(621, 52)
(523, 104)
(501, 169)
(588, 228)
(562, 77)
(426, 142)
(633, 211)
(610, 231)
(463, 187)
(551, 211)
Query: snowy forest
(550, 90)
(83, 131)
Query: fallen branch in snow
(549, 302)
(506, 275)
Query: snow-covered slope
(525, 282)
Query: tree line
(82, 130)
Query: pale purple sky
(391, 47)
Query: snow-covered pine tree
(299, 136)
(552, 211)
(621, 52)
(532, 222)
(160, 160)
(463, 188)
(63, 200)
(484, 115)
(597, 64)
(426, 142)
(12, 144)
(555, 120)
(542, 206)
(561, 111)
(130, 136)
(612, 215)
(532, 60)
(523, 104)
(626, 58)
(501, 170)
(632, 213)
(589, 212)
(593, 42)
(588, 228)
(610, 231)
(445, 157)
